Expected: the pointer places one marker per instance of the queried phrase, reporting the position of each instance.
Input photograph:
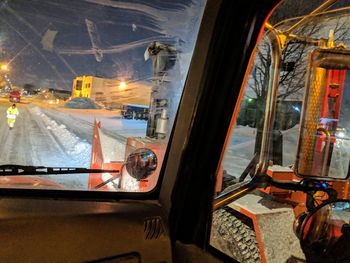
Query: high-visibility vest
(12, 113)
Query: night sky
(123, 32)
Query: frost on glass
(86, 69)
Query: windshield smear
(86, 83)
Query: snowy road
(45, 136)
(30, 142)
(33, 142)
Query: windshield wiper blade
(14, 170)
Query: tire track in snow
(78, 150)
(31, 143)
(12, 142)
(28, 143)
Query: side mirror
(326, 232)
(141, 163)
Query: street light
(122, 85)
(4, 67)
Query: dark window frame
(78, 85)
(226, 68)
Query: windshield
(95, 80)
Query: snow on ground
(77, 126)
(114, 124)
(113, 150)
(37, 140)
(290, 144)
(111, 122)
(240, 150)
(47, 96)
(82, 103)
(78, 150)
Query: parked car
(14, 96)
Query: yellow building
(112, 93)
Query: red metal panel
(97, 161)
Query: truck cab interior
(173, 219)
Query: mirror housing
(141, 163)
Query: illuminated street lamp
(4, 67)
(122, 85)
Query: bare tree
(293, 71)
(293, 62)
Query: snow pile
(82, 103)
(78, 150)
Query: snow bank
(78, 150)
(82, 103)
(244, 130)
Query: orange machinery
(319, 125)
(98, 162)
(286, 193)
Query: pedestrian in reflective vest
(12, 114)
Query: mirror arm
(112, 179)
(308, 186)
(250, 167)
(238, 190)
